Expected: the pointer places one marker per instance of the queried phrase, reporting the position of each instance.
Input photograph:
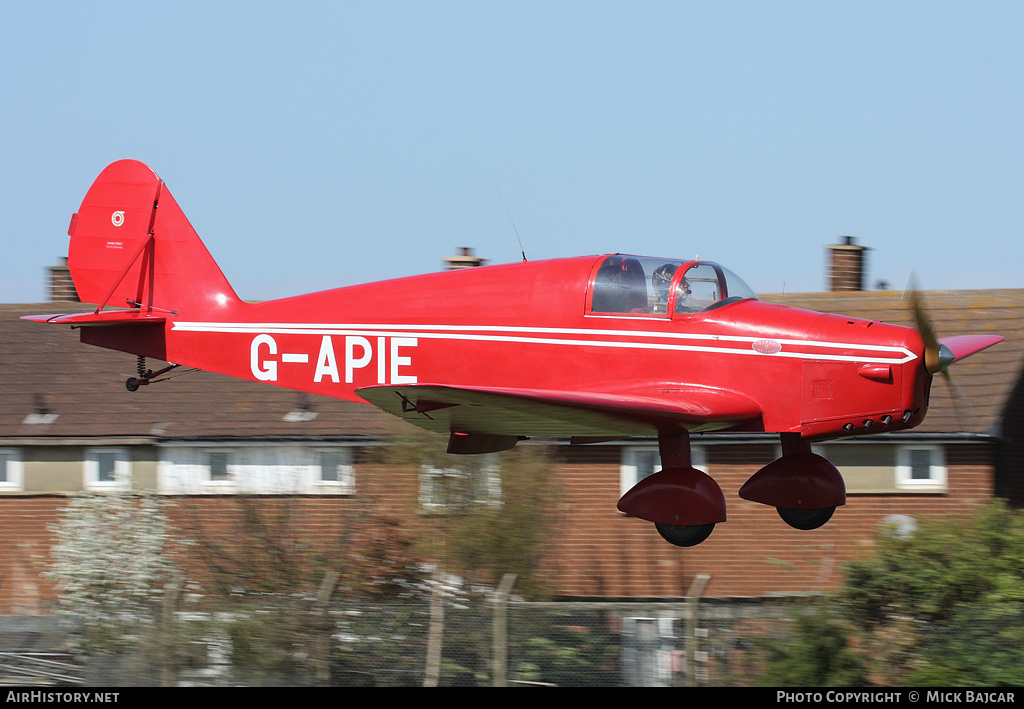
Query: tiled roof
(71, 389)
(47, 374)
(981, 383)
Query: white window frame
(255, 467)
(14, 472)
(631, 460)
(937, 468)
(226, 482)
(487, 491)
(346, 477)
(122, 473)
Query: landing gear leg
(684, 503)
(804, 487)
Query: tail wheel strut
(146, 376)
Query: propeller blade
(940, 353)
(933, 356)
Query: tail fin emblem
(117, 218)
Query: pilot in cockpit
(661, 283)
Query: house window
(639, 462)
(473, 481)
(218, 464)
(335, 469)
(257, 468)
(920, 467)
(873, 468)
(10, 469)
(107, 468)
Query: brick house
(67, 424)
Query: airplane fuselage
(532, 326)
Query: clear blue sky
(320, 144)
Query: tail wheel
(805, 519)
(685, 536)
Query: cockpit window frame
(630, 292)
(722, 275)
(594, 286)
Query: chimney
(847, 265)
(62, 288)
(464, 259)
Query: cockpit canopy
(640, 285)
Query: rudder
(131, 245)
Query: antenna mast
(521, 249)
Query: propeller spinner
(940, 353)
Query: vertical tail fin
(131, 245)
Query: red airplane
(595, 348)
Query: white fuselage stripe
(533, 335)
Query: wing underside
(642, 411)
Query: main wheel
(685, 536)
(805, 519)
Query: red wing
(641, 411)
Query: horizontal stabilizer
(106, 317)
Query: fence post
(321, 659)
(435, 634)
(700, 582)
(499, 627)
(168, 668)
